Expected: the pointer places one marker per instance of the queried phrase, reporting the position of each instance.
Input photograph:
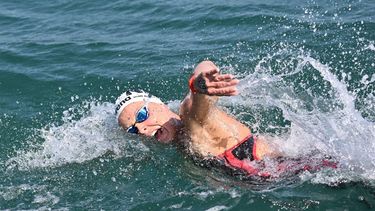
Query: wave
(93, 134)
(325, 119)
(322, 116)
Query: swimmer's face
(161, 122)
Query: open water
(307, 71)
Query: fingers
(227, 91)
(211, 82)
(224, 77)
(223, 84)
(210, 72)
(214, 75)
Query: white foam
(93, 134)
(340, 131)
(47, 197)
(351, 133)
(13, 192)
(218, 208)
(371, 46)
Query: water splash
(370, 46)
(326, 120)
(91, 135)
(330, 124)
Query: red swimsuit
(239, 155)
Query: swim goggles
(141, 116)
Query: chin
(165, 141)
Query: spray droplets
(88, 131)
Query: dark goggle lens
(142, 115)
(132, 129)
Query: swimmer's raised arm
(206, 85)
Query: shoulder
(185, 106)
(206, 63)
(190, 110)
(187, 114)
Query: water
(307, 75)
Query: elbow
(207, 63)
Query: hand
(211, 82)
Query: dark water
(307, 71)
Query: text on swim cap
(122, 103)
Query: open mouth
(160, 134)
(157, 133)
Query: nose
(143, 129)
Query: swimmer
(206, 130)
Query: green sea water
(307, 71)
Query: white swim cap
(129, 97)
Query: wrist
(191, 84)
